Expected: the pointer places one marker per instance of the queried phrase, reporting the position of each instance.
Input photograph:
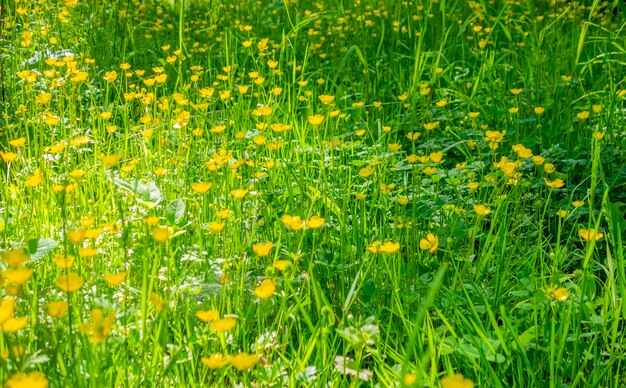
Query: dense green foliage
(301, 193)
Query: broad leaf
(175, 211)
(38, 248)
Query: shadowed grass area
(295, 193)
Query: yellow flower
(590, 234)
(93, 233)
(259, 139)
(161, 234)
(538, 160)
(35, 179)
(282, 265)
(394, 147)
(110, 160)
(115, 279)
(326, 99)
(152, 220)
(494, 136)
(79, 76)
(239, 193)
(216, 226)
(366, 171)
(315, 222)
(15, 257)
(63, 262)
(218, 129)
(522, 152)
(156, 301)
(431, 126)
(436, 157)
(412, 158)
(51, 119)
(215, 361)
(457, 380)
(224, 324)
(388, 247)
(482, 210)
(293, 222)
(429, 170)
(243, 361)
(17, 143)
(409, 379)
(201, 187)
(316, 120)
(412, 135)
(430, 243)
(7, 308)
(80, 141)
(374, 247)
(28, 75)
(539, 110)
(562, 213)
(207, 315)
(70, 282)
(76, 236)
(555, 184)
(560, 294)
(584, 115)
(77, 173)
(263, 249)
(57, 309)
(110, 76)
(8, 156)
(19, 275)
(225, 95)
(266, 289)
(13, 325)
(100, 326)
(403, 200)
(27, 380)
(87, 251)
(263, 111)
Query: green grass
(443, 184)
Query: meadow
(330, 193)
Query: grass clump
(295, 193)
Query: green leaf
(528, 336)
(436, 178)
(38, 248)
(128, 186)
(175, 211)
(36, 358)
(616, 215)
(147, 194)
(308, 375)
